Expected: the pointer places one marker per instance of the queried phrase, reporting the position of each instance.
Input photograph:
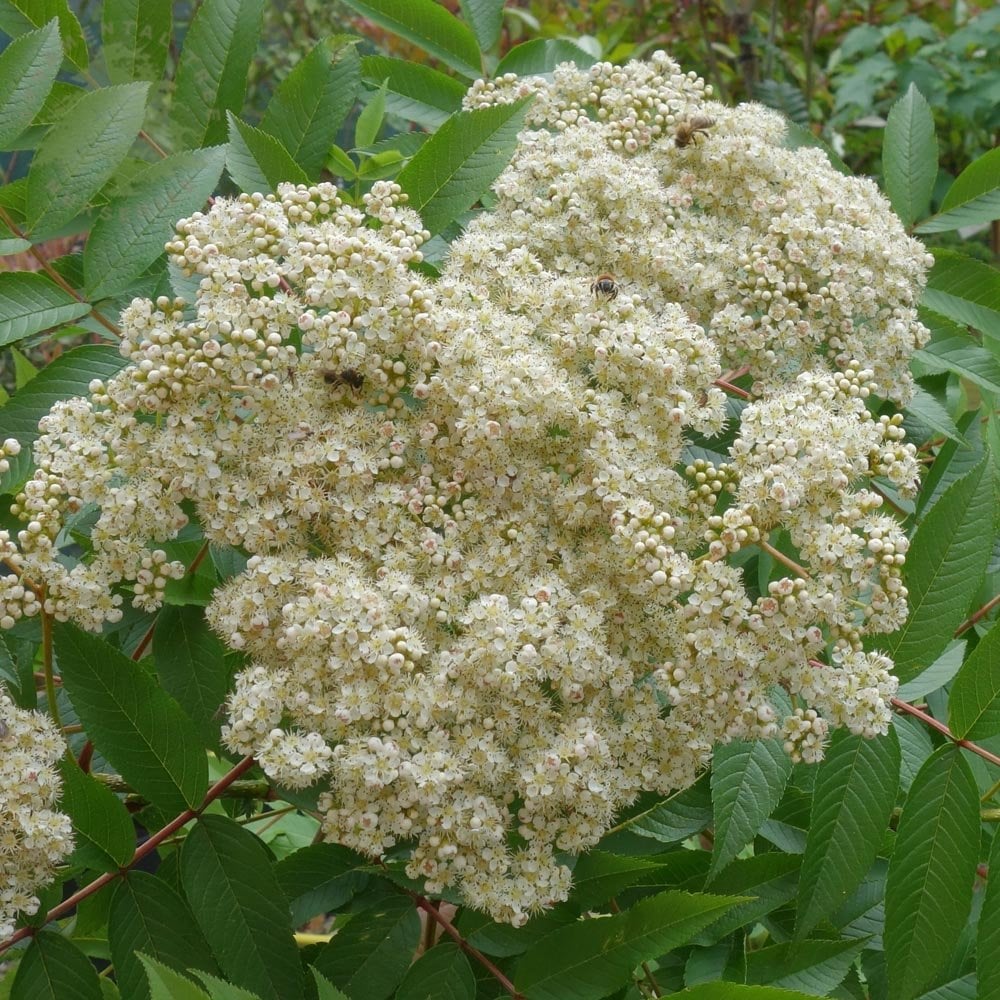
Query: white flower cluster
(497, 582)
(34, 837)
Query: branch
(908, 709)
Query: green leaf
(939, 673)
(988, 940)
(944, 567)
(957, 989)
(598, 876)
(915, 747)
(457, 165)
(798, 136)
(963, 356)
(965, 290)
(974, 701)
(190, 662)
(126, 240)
(140, 729)
(105, 836)
(149, 917)
(166, 984)
(212, 71)
(816, 967)
(23, 15)
(736, 991)
(69, 375)
(135, 36)
(229, 881)
(486, 19)
(973, 199)
(925, 408)
(929, 886)
(591, 958)
(369, 122)
(80, 153)
(748, 780)
(428, 26)
(221, 990)
(414, 92)
(320, 878)
(28, 68)
(53, 968)
(325, 990)
(677, 818)
(855, 790)
(257, 161)
(369, 957)
(340, 164)
(542, 55)
(311, 104)
(443, 973)
(31, 302)
(909, 156)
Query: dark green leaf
(929, 886)
(312, 103)
(748, 780)
(456, 166)
(190, 662)
(53, 968)
(230, 884)
(974, 702)
(139, 728)
(148, 916)
(28, 68)
(909, 156)
(963, 356)
(130, 237)
(965, 290)
(542, 55)
(80, 153)
(855, 791)
(736, 991)
(429, 26)
(212, 71)
(944, 568)
(915, 747)
(105, 837)
(443, 973)
(69, 375)
(320, 878)
(23, 15)
(933, 415)
(592, 958)
(988, 941)
(974, 198)
(369, 957)
(136, 37)
(31, 302)
(486, 19)
(414, 92)
(599, 876)
(677, 818)
(815, 967)
(257, 161)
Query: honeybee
(605, 287)
(350, 377)
(689, 129)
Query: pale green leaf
(325, 990)
(28, 68)
(256, 161)
(973, 199)
(80, 153)
(974, 701)
(369, 122)
(19, 16)
(212, 71)
(166, 984)
(542, 55)
(221, 990)
(939, 673)
(135, 36)
(929, 886)
(852, 800)
(31, 302)
(748, 780)
(126, 240)
(456, 166)
(944, 566)
(429, 26)
(909, 156)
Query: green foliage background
(864, 877)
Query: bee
(349, 376)
(605, 287)
(688, 130)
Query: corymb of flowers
(497, 520)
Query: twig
(906, 707)
(981, 613)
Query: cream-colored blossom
(504, 574)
